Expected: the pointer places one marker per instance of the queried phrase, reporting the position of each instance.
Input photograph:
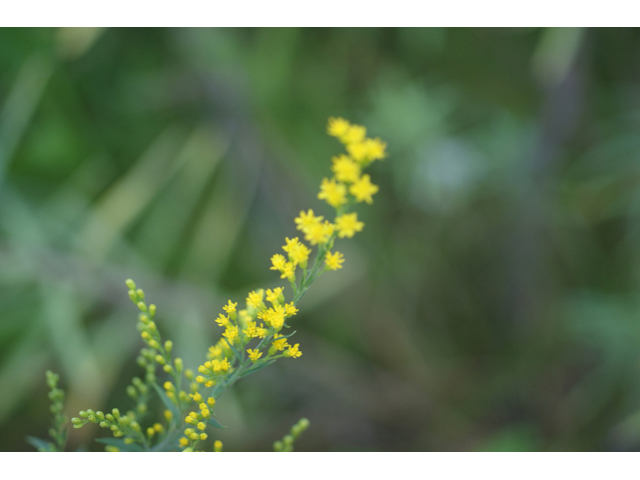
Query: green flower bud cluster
(120, 425)
(58, 431)
(160, 352)
(286, 444)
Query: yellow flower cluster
(254, 336)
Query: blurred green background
(491, 303)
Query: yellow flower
(255, 298)
(320, 233)
(214, 351)
(358, 151)
(261, 332)
(334, 261)
(298, 252)
(337, 127)
(217, 446)
(254, 355)
(222, 320)
(375, 148)
(231, 333)
(300, 255)
(273, 316)
(307, 220)
(292, 244)
(280, 344)
(333, 192)
(278, 262)
(290, 310)
(347, 225)
(251, 331)
(293, 352)
(345, 169)
(230, 308)
(184, 442)
(363, 189)
(273, 296)
(355, 134)
(288, 271)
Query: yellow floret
(345, 169)
(280, 344)
(278, 262)
(334, 261)
(363, 189)
(254, 355)
(293, 352)
(347, 225)
(355, 134)
(230, 307)
(273, 296)
(334, 193)
(255, 298)
(338, 127)
(307, 220)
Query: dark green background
(491, 302)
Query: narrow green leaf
(119, 442)
(167, 402)
(41, 445)
(214, 423)
(256, 368)
(171, 442)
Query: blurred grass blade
(20, 105)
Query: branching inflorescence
(252, 337)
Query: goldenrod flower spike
(253, 337)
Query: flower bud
(142, 306)
(168, 345)
(140, 294)
(131, 284)
(304, 423)
(152, 309)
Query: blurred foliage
(491, 302)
